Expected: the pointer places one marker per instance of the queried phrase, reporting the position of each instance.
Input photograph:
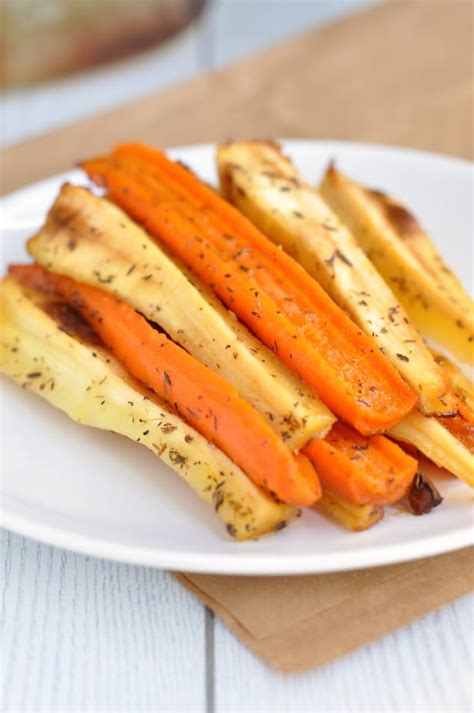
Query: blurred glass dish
(43, 39)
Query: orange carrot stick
(288, 311)
(211, 405)
(363, 470)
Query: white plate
(102, 495)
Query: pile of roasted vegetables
(266, 341)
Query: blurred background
(62, 60)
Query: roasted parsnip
(407, 259)
(460, 384)
(88, 384)
(462, 425)
(93, 241)
(352, 517)
(430, 437)
(263, 183)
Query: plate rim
(286, 142)
(242, 564)
(211, 563)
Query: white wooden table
(81, 634)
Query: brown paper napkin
(295, 623)
(364, 79)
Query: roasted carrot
(363, 470)
(267, 290)
(211, 405)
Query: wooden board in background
(399, 73)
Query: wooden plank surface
(83, 634)
(87, 635)
(399, 73)
(407, 671)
